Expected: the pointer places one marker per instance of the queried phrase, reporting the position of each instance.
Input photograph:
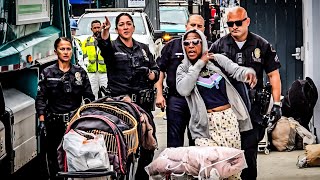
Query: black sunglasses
(193, 41)
(238, 23)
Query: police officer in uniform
(131, 71)
(76, 43)
(177, 110)
(61, 90)
(251, 50)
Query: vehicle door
(153, 47)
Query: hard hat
(73, 24)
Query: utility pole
(190, 6)
(205, 12)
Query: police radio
(239, 59)
(264, 97)
(135, 62)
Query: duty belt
(64, 117)
(143, 96)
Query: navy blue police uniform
(260, 55)
(177, 110)
(59, 95)
(128, 71)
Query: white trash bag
(85, 151)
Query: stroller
(119, 130)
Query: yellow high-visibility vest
(92, 52)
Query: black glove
(144, 71)
(42, 130)
(276, 113)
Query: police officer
(177, 110)
(251, 50)
(76, 43)
(131, 71)
(61, 90)
(95, 66)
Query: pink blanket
(207, 162)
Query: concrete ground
(274, 166)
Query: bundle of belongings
(300, 101)
(146, 125)
(311, 158)
(202, 162)
(292, 130)
(285, 131)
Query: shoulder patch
(145, 55)
(272, 49)
(276, 58)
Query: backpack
(300, 101)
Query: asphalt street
(274, 166)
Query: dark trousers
(55, 132)
(178, 117)
(146, 157)
(249, 143)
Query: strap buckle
(134, 98)
(66, 118)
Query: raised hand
(105, 29)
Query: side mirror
(158, 34)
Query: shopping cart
(264, 144)
(98, 118)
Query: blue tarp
(80, 1)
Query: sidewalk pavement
(274, 166)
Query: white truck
(28, 30)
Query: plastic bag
(283, 135)
(202, 162)
(85, 151)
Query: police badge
(256, 55)
(78, 78)
(145, 55)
